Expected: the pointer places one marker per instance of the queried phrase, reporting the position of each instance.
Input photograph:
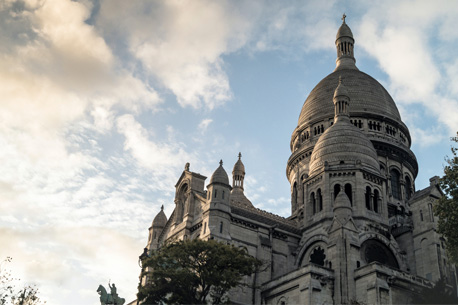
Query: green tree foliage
(187, 272)
(9, 295)
(439, 294)
(447, 207)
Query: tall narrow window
(431, 214)
(294, 193)
(216, 192)
(336, 190)
(375, 203)
(320, 200)
(313, 202)
(348, 192)
(223, 194)
(221, 227)
(421, 215)
(368, 198)
(395, 184)
(205, 227)
(407, 188)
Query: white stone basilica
(358, 230)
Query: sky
(104, 102)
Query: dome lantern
(345, 47)
(238, 173)
(341, 101)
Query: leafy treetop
(447, 207)
(187, 272)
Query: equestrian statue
(107, 298)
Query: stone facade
(358, 230)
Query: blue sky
(103, 103)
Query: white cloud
(203, 125)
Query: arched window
(221, 227)
(336, 190)
(181, 202)
(313, 202)
(368, 198)
(431, 214)
(223, 194)
(375, 203)
(407, 188)
(421, 215)
(395, 184)
(318, 256)
(320, 200)
(294, 195)
(348, 192)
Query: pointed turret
(344, 45)
(341, 101)
(238, 173)
(238, 176)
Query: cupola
(345, 47)
(220, 175)
(238, 173)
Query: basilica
(359, 231)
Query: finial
(162, 207)
(343, 18)
(221, 162)
(240, 155)
(186, 167)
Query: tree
(187, 272)
(447, 207)
(27, 295)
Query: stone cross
(343, 17)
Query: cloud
(181, 44)
(405, 43)
(163, 159)
(203, 125)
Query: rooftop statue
(107, 298)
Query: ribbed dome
(220, 175)
(343, 142)
(367, 97)
(344, 31)
(160, 220)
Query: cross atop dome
(343, 18)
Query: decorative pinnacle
(221, 162)
(162, 207)
(240, 155)
(343, 18)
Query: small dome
(342, 207)
(341, 90)
(344, 31)
(160, 220)
(342, 201)
(239, 167)
(220, 175)
(345, 144)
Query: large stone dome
(368, 96)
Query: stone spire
(238, 173)
(344, 45)
(341, 102)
